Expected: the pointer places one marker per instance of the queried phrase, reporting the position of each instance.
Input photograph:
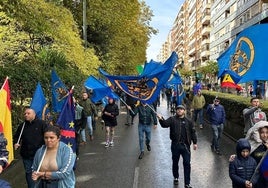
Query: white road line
(136, 177)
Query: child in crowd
(243, 166)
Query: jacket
(242, 169)
(198, 102)
(216, 114)
(252, 115)
(65, 161)
(89, 107)
(146, 114)
(32, 137)
(174, 123)
(113, 109)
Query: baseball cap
(180, 107)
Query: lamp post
(85, 22)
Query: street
(119, 166)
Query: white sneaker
(201, 126)
(111, 144)
(106, 144)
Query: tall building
(230, 17)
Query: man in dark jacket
(216, 115)
(30, 137)
(182, 134)
(146, 118)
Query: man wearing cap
(182, 134)
(216, 115)
(198, 104)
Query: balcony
(205, 41)
(206, 19)
(191, 51)
(191, 60)
(205, 31)
(205, 53)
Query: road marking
(136, 177)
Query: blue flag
(151, 66)
(100, 89)
(39, 101)
(264, 166)
(59, 92)
(247, 54)
(147, 86)
(66, 122)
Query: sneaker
(82, 143)
(201, 126)
(148, 147)
(176, 181)
(111, 144)
(106, 144)
(188, 186)
(141, 155)
(91, 137)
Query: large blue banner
(247, 55)
(147, 86)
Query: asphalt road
(119, 166)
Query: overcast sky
(165, 12)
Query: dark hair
(53, 128)
(253, 98)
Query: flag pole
(21, 132)
(41, 160)
(152, 109)
(125, 104)
(4, 83)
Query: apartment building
(230, 17)
(190, 34)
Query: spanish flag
(5, 118)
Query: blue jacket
(65, 160)
(242, 168)
(216, 114)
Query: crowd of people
(48, 162)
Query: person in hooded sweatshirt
(109, 114)
(243, 166)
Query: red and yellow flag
(5, 118)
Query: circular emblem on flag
(243, 57)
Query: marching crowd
(48, 162)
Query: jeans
(28, 172)
(198, 113)
(177, 150)
(147, 130)
(217, 132)
(90, 129)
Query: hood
(242, 143)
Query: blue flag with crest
(59, 92)
(38, 101)
(147, 86)
(247, 55)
